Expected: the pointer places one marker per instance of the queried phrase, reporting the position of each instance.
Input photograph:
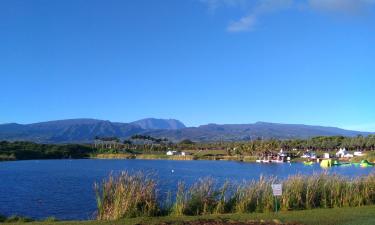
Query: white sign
(277, 189)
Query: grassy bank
(336, 216)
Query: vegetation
(150, 147)
(126, 195)
(147, 144)
(29, 150)
(117, 197)
(337, 216)
(14, 219)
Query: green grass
(342, 216)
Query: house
(342, 153)
(170, 153)
(358, 153)
(309, 155)
(282, 153)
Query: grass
(126, 195)
(337, 216)
(134, 195)
(164, 156)
(113, 156)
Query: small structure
(309, 155)
(281, 153)
(272, 157)
(326, 156)
(171, 153)
(342, 153)
(358, 153)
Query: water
(64, 188)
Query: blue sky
(200, 61)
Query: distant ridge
(85, 130)
(245, 132)
(159, 124)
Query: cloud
(340, 6)
(244, 24)
(258, 8)
(262, 7)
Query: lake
(64, 188)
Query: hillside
(243, 132)
(159, 124)
(85, 130)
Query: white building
(342, 153)
(309, 155)
(170, 153)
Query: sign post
(277, 190)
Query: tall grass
(126, 195)
(202, 198)
(255, 196)
(134, 195)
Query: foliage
(29, 150)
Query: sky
(199, 61)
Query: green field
(343, 216)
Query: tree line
(20, 150)
(321, 143)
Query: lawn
(343, 216)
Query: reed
(201, 198)
(134, 195)
(126, 195)
(327, 191)
(255, 196)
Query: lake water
(64, 188)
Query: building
(170, 153)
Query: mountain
(244, 132)
(159, 124)
(67, 131)
(85, 130)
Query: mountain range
(85, 130)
